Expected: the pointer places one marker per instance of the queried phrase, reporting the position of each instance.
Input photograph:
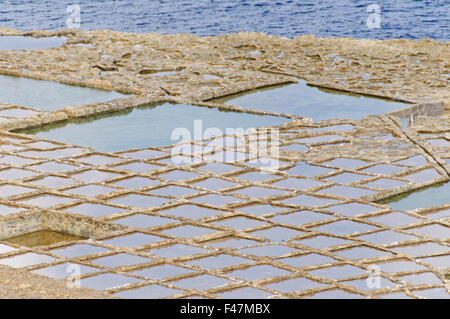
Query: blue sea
(412, 19)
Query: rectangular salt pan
(435, 195)
(30, 43)
(148, 126)
(48, 95)
(316, 103)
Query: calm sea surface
(398, 19)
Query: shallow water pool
(316, 103)
(30, 43)
(147, 126)
(41, 238)
(48, 95)
(435, 195)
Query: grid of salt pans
(220, 225)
